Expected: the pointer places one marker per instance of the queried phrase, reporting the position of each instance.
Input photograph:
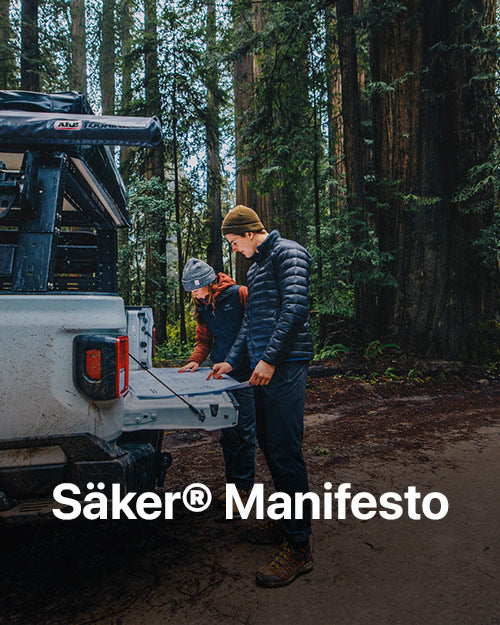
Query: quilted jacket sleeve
(293, 271)
(239, 348)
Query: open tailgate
(149, 405)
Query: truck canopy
(61, 194)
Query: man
(275, 331)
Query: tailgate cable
(199, 413)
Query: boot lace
(283, 558)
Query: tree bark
(212, 126)
(244, 90)
(7, 78)
(78, 67)
(354, 164)
(107, 57)
(177, 203)
(334, 110)
(350, 104)
(360, 6)
(317, 210)
(155, 283)
(432, 126)
(246, 74)
(30, 49)
(125, 30)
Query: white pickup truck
(74, 407)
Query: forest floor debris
(379, 435)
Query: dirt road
(197, 569)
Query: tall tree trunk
(177, 202)
(360, 7)
(317, 212)
(7, 66)
(281, 112)
(78, 66)
(246, 74)
(431, 128)
(334, 110)
(30, 49)
(155, 287)
(263, 202)
(244, 88)
(127, 66)
(107, 57)
(214, 249)
(125, 30)
(354, 165)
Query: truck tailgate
(149, 405)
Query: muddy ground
(434, 434)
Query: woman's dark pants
(239, 443)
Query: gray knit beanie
(197, 274)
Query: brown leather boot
(268, 533)
(287, 563)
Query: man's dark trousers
(279, 408)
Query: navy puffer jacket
(276, 326)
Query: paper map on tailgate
(144, 386)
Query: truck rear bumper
(30, 511)
(28, 489)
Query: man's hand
(262, 374)
(191, 366)
(219, 369)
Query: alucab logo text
(197, 497)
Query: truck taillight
(100, 365)
(154, 342)
(121, 365)
(93, 364)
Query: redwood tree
(125, 30)
(30, 47)
(7, 66)
(433, 66)
(212, 128)
(354, 164)
(107, 57)
(334, 110)
(155, 291)
(78, 62)
(244, 78)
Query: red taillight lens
(100, 365)
(154, 342)
(93, 364)
(121, 365)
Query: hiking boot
(287, 563)
(265, 534)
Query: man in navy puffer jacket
(275, 332)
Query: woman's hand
(219, 369)
(191, 366)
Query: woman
(219, 305)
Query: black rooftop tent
(61, 195)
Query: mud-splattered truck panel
(67, 413)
